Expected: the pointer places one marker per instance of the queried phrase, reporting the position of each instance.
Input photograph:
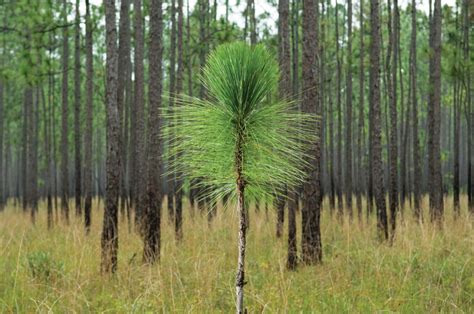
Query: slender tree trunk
(339, 181)
(152, 237)
(240, 280)
(33, 139)
(28, 195)
(64, 122)
(376, 135)
(172, 91)
(414, 103)
(89, 124)
(139, 183)
(124, 78)
(252, 21)
(179, 89)
(434, 116)
(360, 131)
(110, 226)
(393, 120)
(311, 208)
(348, 176)
(77, 112)
(468, 104)
(295, 66)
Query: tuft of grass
(425, 270)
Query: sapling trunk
(240, 280)
(239, 143)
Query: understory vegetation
(424, 270)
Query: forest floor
(425, 270)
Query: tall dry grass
(425, 270)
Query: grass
(425, 270)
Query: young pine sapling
(241, 142)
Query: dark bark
(348, 151)
(468, 105)
(434, 116)
(179, 90)
(77, 112)
(414, 103)
(339, 181)
(393, 156)
(124, 89)
(34, 129)
(89, 124)
(139, 183)
(280, 203)
(284, 60)
(360, 130)
(252, 21)
(240, 183)
(311, 234)
(64, 123)
(376, 135)
(29, 112)
(152, 243)
(172, 91)
(110, 227)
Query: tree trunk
(179, 90)
(414, 103)
(89, 124)
(124, 78)
(284, 59)
(64, 122)
(434, 116)
(348, 151)
(172, 91)
(110, 226)
(376, 135)
(311, 234)
(33, 180)
(240, 184)
(393, 119)
(152, 237)
(468, 105)
(339, 182)
(252, 21)
(77, 111)
(139, 183)
(360, 130)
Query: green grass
(426, 269)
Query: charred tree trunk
(393, 120)
(434, 117)
(172, 91)
(89, 124)
(123, 95)
(311, 208)
(139, 185)
(64, 123)
(348, 151)
(376, 135)
(179, 89)
(414, 103)
(110, 226)
(77, 112)
(339, 182)
(360, 131)
(152, 237)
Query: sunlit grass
(426, 269)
